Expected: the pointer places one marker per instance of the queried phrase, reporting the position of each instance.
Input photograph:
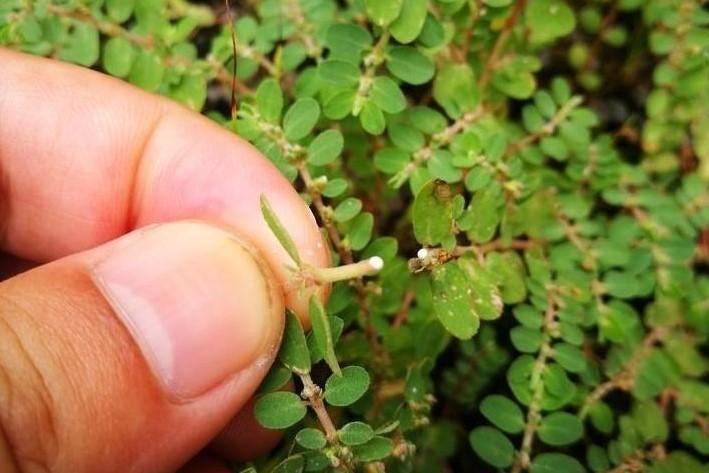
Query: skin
(84, 160)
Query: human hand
(131, 345)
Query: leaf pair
(295, 354)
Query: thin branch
(83, 15)
(548, 129)
(536, 383)
(500, 43)
(624, 379)
(438, 140)
(314, 395)
(607, 21)
(232, 33)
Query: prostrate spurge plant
(515, 194)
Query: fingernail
(195, 301)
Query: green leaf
(276, 378)
(528, 316)
(383, 12)
(385, 247)
(556, 463)
(30, 29)
(118, 56)
(554, 147)
(560, 428)
(455, 89)
(509, 271)
(387, 95)
(503, 413)
(484, 294)
(410, 65)
(387, 428)
(492, 446)
(82, 46)
(191, 91)
(405, 137)
(147, 71)
(294, 352)
(483, 217)
(452, 301)
(292, 464)
(440, 165)
(325, 148)
(279, 230)
(336, 327)
(347, 209)
(346, 388)
(650, 422)
(269, 100)
(316, 461)
(371, 118)
(622, 285)
(518, 84)
(545, 104)
(571, 358)
(360, 231)
(410, 22)
(300, 119)
(119, 10)
(376, 449)
(526, 340)
(293, 56)
(391, 160)
(334, 188)
(322, 334)
(432, 213)
(340, 105)
(355, 433)
(549, 20)
(560, 90)
(340, 73)
(433, 34)
(597, 459)
(348, 37)
(279, 410)
(655, 373)
(602, 417)
(312, 439)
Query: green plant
(531, 174)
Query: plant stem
(625, 378)
(607, 21)
(500, 43)
(537, 387)
(83, 15)
(349, 271)
(548, 129)
(437, 141)
(313, 394)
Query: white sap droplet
(376, 263)
(422, 253)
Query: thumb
(131, 356)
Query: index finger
(85, 158)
